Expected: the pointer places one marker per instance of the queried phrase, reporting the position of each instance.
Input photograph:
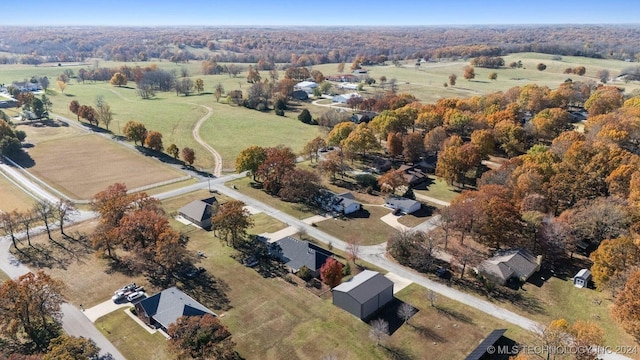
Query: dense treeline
(310, 45)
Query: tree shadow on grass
(41, 256)
(453, 314)
(389, 313)
(396, 353)
(209, 291)
(427, 333)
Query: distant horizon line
(321, 26)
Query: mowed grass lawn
(81, 166)
(363, 227)
(232, 129)
(131, 339)
(11, 197)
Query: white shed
(581, 280)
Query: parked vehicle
(135, 296)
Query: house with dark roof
(296, 253)
(199, 212)
(486, 349)
(510, 264)
(405, 205)
(165, 307)
(363, 295)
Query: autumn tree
(413, 145)
(111, 204)
(69, 347)
(332, 164)
(173, 150)
(340, 67)
(30, 309)
(232, 219)
(392, 180)
(200, 337)
(153, 140)
(434, 140)
(61, 85)
(493, 76)
(469, 73)
(456, 159)
(135, 132)
(250, 159)
(331, 272)
(299, 185)
(199, 85)
(541, 67)
(549, 123)
(604, 100)
(74, 107)
(452, 79)
(188, 155)
(612, 257)
(394, 144)
(88, 113)
(360, 140)
(312, 148)
(603, 75)
(465, 256)
(340, 132)
(278, 161)
(626, 309)
(587, 336)
(118, 79)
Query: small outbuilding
(582, 278)
(363, 295)
(199, 212)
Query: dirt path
(217, 170)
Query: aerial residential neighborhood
(350, 190)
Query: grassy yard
(418, 217)
(132, 340)
(11, 197)
(263, 223)
(73, 261)
(91, 163)
(299, 211)
(363, 226)
(448, 330)
(439, 189)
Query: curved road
(217, 170)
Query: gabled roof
(168, 305)
(400, 202)
(298, 253)
(198, 209)
(488, 342)
(508, 263)
(583, 274)
(365, 285)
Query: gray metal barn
(364, 294)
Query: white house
(306, 86)
(405, 205)
(342, 99)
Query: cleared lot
(13, 198)
(80, 166)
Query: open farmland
(11, 197)
(80, 166)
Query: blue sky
(319, 12)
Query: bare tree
(353, 249)
(432, 296)
(9, 224)
(465, 256)
(405, 312)
(379, 330)
(64, 209)
(444, 223)
(44, 210)
(26, 218)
